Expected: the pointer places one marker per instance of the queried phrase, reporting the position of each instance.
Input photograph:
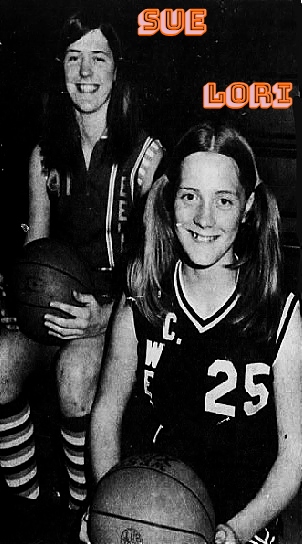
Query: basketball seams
(150, 523)
(52, 267)
(119, 469)
(46, 271)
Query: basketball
(45, 271)
(151, 499)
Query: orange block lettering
(148, 21)
(195, 25)
(212, 99)
(282, 90)
(239, 94)
(260, 95)
(171, 22)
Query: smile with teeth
(203, 237)
(87, 88)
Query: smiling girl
(208, 340)
(92, 163)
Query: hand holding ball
(46, 271)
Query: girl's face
(89, 72)
(209, 205)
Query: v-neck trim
(201, 324)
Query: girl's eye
(224, 203)
(97, 59)
(188, 197)
(69, 59)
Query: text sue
(172, 22)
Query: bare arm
(284, 479)
(89, 320)
(39, 206)
(114, 391)
(38, 217)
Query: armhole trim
(139, 159)
(152, 150)
(288, 310)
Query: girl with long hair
(207, 340)
(91, 163)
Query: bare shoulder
(39, 206)
(35, 160)
(36, 168)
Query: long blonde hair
(257, 245)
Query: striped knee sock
(17, 448)
(73, 430)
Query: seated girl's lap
(20, 355)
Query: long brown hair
(257, 244)
(60, 133)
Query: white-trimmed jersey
(208, 392)
(90, 210)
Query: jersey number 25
(258, 390)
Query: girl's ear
(248, 205)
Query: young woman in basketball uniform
(207, 340)
(92, 162)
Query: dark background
(246, 40)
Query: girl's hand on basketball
(225, 535)
(87, 320)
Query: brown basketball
(46, 271)
(153, 499)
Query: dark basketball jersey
(90, 210)
(210, 397)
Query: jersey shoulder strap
(142, 163)
(150, 161)
(290, 305)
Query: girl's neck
(209, 288)
(92, 127)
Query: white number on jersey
(259, 390)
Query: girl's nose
(204, 215)
(86, 66)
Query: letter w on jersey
(153, 353)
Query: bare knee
(78, 371)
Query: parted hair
(60, 134)
(257, 245)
